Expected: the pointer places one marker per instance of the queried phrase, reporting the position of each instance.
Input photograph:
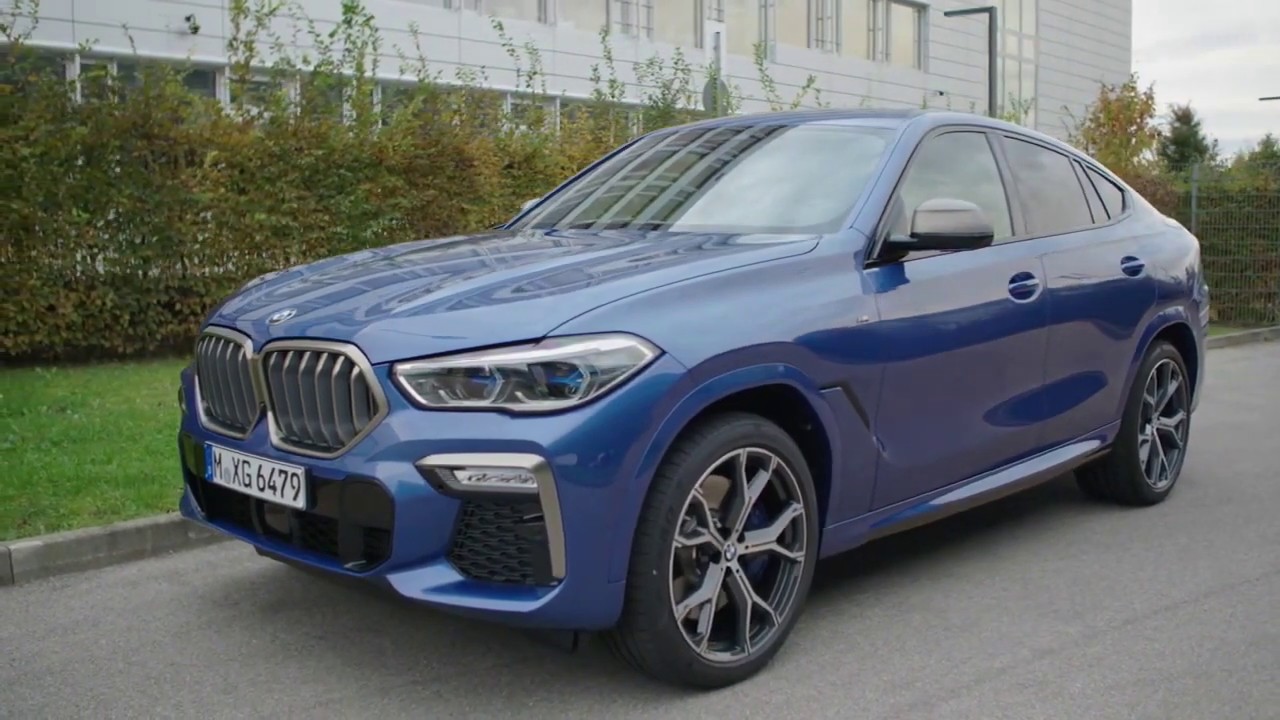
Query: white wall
(1082, 42)
(1077, 43)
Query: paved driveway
(1041, 606)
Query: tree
(1260, 163)
(1120, 129)
(1184, 143)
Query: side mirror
(946, 224)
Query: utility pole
(993, 64)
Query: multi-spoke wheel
(1151, 445)
(1165, 420)
(723, 558)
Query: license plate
(265, 479)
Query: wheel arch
(1174, 326)
(779, 392)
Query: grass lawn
(87, 445)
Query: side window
(1091, 194)
(1053, 201)
(1112, 195)
(955, 165)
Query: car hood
(436, 296)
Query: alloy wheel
(1162, 432)
(738, 555)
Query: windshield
(745, 179)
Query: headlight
(549, 375)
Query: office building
(875, 53)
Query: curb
(97, 547)
(1243, 337)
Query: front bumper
(536, 560)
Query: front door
(962, 334)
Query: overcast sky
(1219, 56)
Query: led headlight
(549, 375)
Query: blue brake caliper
(755, 566)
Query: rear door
(961, 334)
(1099, 288)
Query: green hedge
(1234, 209)
(126, 215)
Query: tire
(648, 635)
(1120, 476)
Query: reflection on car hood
(437, 296)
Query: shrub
(129, 212)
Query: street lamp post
(993, 33)
(1273, 97)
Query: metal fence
(1235, 211)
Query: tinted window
(1095, 202)
(1112, 196)
(959, 166)
(1052, 200)
(754, 178)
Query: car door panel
(963, 367)
(961, 334)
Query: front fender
(704, 394)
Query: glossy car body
(915, 385)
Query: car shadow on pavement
(332, 626)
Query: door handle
(1131, 266)
(1024, 286)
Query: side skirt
(966, 494)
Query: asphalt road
(1040, 606)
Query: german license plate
(265, 479)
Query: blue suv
(654, 399)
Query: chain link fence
(1235, 211)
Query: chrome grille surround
(228, 394)
(322, 397)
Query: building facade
(873, 53)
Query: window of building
(202, 81)
(824, 26)
(30, 69)
(258, 95)
(904, 33)
(586, 16)
(855, 28)
(94, 78)
(745, 24)
(525, 113)
(1053, 201)
(704, 10)
(632, 17)
(790, 22)
(960, 166)
(531, 10)
(454, 4)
